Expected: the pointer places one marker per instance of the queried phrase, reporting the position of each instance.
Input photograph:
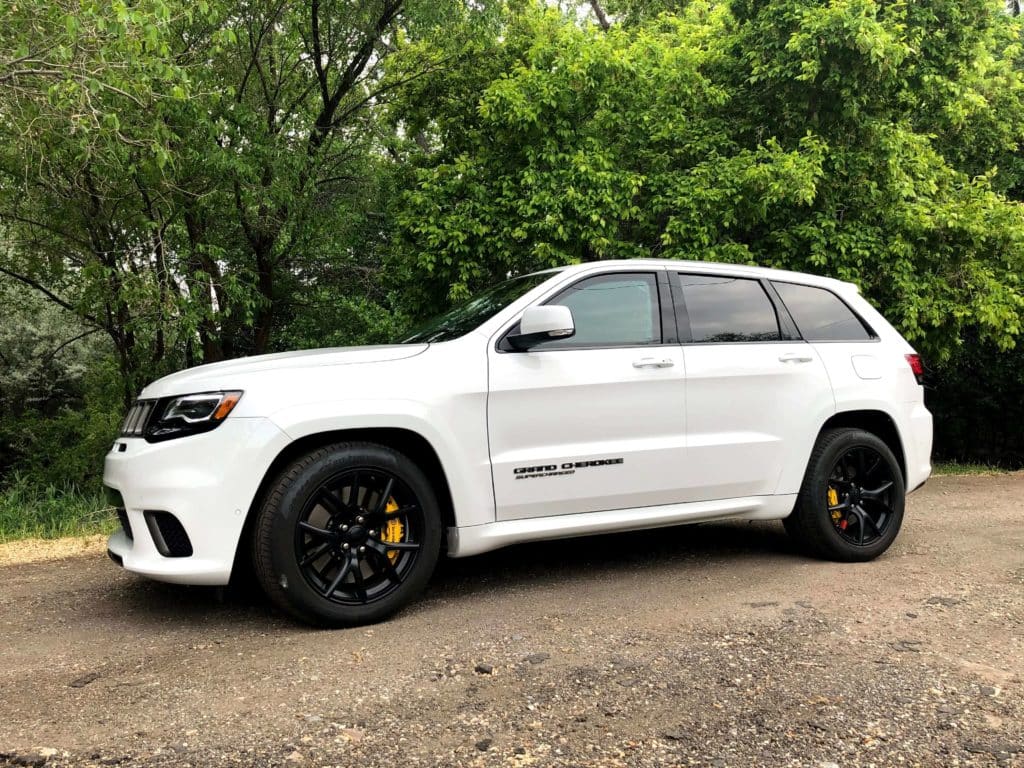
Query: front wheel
(347, 535)
(850, 505)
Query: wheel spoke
(353, 494)
(342, 573)
(314, 531)
(874, 466)
(357, 573)
(876, 494)
(385, 562)
(844, 467)
(382, 502)
(326, 500)
(315, 555)
(840, 506)
(865, 515)
(403, 546)
(855, 511)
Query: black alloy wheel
(347, 534)
(860, 495)
(850, 504)
(359, 536)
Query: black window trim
(873, 337)
(788, 332)
(665, 315)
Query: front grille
(134, 424)
(168, 534)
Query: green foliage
(28, 511)
(978, 402)
(60, 401)
(788, 133)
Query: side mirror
(542, 323)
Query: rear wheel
(348, 534)
(850, 505)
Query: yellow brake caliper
(393, 530)
(833, 501)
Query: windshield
(464, 318)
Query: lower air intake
(168, 534)
(125, 525)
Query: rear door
(756, 393)
(596, 421)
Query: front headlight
(189, 414)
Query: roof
(712, 268)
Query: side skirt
(475, 539)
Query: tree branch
(52, 297)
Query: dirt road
(713, 645)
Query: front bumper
(208, 483)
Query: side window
(723, 308)
(611, 311)
(820, 314)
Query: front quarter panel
(440, 395)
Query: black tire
(306, 510)
(850, 505)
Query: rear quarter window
(820, 315)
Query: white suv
(600, 397)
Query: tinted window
(728, 309)
(611, 310)
(820, 314)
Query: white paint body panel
(754, 411)
(557, 407)
(723, 432)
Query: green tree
(787, 133)
(239, 173)
(56, 391)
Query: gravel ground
(712, 645)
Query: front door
(596, 421)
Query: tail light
(917, 366)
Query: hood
(231, 373)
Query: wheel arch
(407, 441)
(878, 423)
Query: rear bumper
(206, 481)
(917, 445)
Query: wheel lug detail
(373, 533)
(345, 545)
(359, 519)
(344, 528)
(362, 550)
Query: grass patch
(28, 511)
(969, 468)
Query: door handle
(794, 357)
(650, 362)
